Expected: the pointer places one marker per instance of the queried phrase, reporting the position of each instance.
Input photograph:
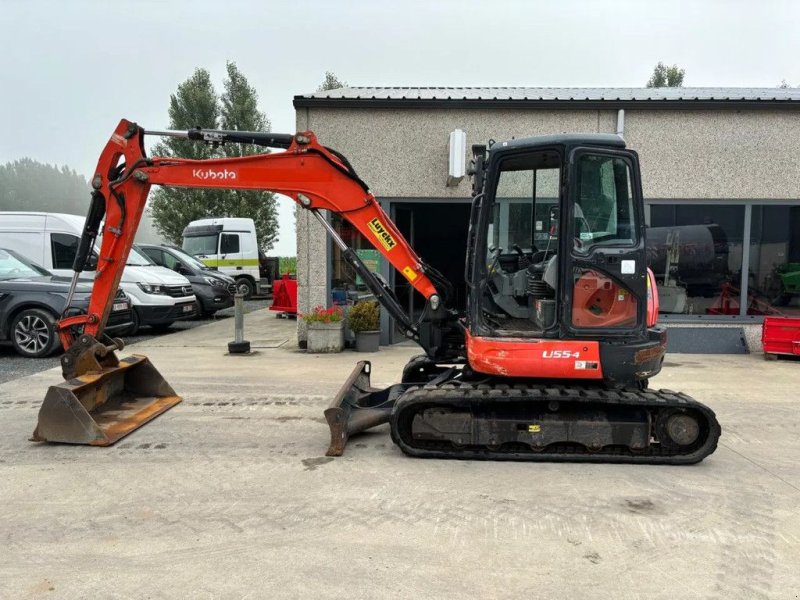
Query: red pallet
(284, 295)
(781, 335)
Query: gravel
(13, 366)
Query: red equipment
(780, 335)
(284, 295)
(549, 362)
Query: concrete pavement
(229, 495)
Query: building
(720, 169)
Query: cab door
(604, 282)
(230, 252)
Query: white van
(158, 296)
(230, 245)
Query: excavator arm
(313, 176)
(104, 398)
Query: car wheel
(162, 327)
(246, 287)
(135, 323)
(199, 313)
(33, 333)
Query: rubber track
(462, 396)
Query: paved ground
(13, 365)
(229, 495)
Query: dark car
(32, 300)
(214, 290)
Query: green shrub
(364, 316)
(288, 264)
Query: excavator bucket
(358, 407)
(101, 406)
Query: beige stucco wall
(685, 154)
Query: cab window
(229, 243)
(604, 209)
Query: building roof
(551, 97)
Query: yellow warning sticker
(410, 273)
(382, 233)
(534, 428)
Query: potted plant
(364, 320)
(325, 329)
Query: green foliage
(664, 76)
(364, 316)
(196, 103)
(331, 82)
(26, 184)
(288, 264)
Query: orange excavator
(550, 360)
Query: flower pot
(368, 341)
(325, 337)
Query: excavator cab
(577, 285)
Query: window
(774, 266)
(695, 252)
(64, 248)
(229, 243)
(604, 208)
(170, 261)
(154, 254)
(200, 245)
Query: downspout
(621, 122)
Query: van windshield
(135, 259)
(200, 245)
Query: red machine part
(597, 301)
(524, 357)
(307, 172)
(284, 295)
(781, 335)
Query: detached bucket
(100, 407)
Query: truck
(230, 245)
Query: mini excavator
(549, 361)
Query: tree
(26, 184)
(332, 82)
(784, 85)
(664, 76)
(196, 103)
(240, 112)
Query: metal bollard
(239, 345)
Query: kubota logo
(206, 174)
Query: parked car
(159, 296)
(32, 299)
(213, 290)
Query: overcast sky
(69, 70)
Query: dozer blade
(358, 407)
(100, 407)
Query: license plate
(188, 308)
(119, 306)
